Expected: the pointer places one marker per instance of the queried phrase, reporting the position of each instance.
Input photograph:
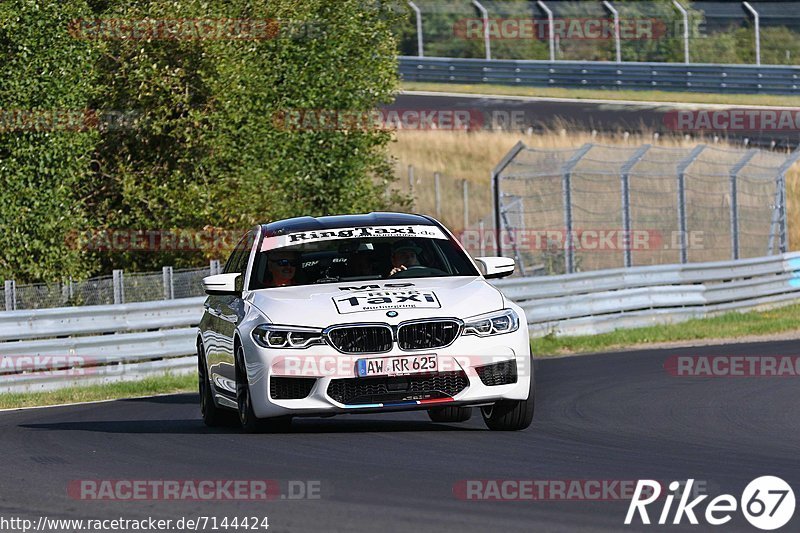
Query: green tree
(46, 84)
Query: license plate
(397, 366)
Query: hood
(370, 301)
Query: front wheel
(213, 416)
(511, 415)
(249, 421)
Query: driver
(405, 254)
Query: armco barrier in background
(760, 79)
(582, 303)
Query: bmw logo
(391, 314)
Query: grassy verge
(727, 326)
(154, 385)
(608, 94)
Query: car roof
(292, 225)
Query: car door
(228, 312)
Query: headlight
(271, 336)
(497, 323)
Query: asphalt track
(604, 417)
(605, 116)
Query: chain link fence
(119, 288)
(598, 207)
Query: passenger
(282, 267)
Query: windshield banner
(291, 239)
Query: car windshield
(358, 259)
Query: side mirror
(223, 285)
(495, 267)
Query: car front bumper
(325, 364)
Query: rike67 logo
(767, 503)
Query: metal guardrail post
(757, 20)
(420, 42)
(487, 39)
(10, 290)
(626, 200)
(685, 15)
(735, 201)
(681, 170)
(566, 186)
(551, 31)
(496, 204)
(119, 287)
(615, 13)
(169, 287)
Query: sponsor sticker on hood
(291, 239)
(356, 302)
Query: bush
(202, 148)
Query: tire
(450, 414)
(213, 416)
(511, 415)
(247, 418)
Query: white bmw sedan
(361, 314)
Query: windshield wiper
(327, 279)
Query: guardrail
(695, 77)
(96, 344)
(601, 301)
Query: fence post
(487, 39)
(496, 193)
(465, 192)
(437, 194)
(626, 200)
(685, 16)
(779, 224)
(10, 287)
(482, 245)
(735, 201)
(757, 21)
(566, 191)
(214, 267)
(169, 287)
(551, 33)
(682, 166)
(615, 14)
(119, 287)
(411, 184)
(418, 15)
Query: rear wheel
(249, 421)
(213, 415)
(511, 415)
(450, 414)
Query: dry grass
(471, 156)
